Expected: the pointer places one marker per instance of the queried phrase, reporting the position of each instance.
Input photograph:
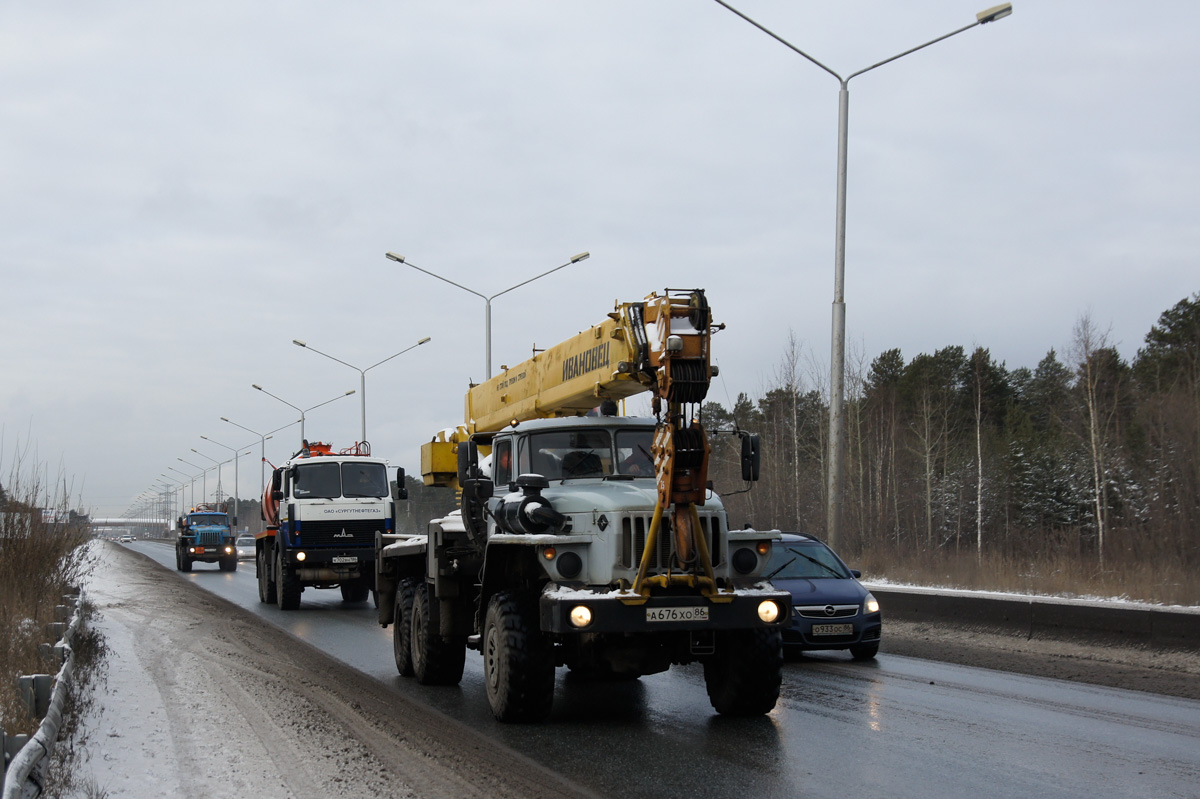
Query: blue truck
(206, 535)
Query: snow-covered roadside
(202, 700)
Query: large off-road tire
(228, 564)
(865, 651)
(185, 563)
(744, 676)
(266, 586)
(402, 628)
(287, 585)
(355, 591)
(178, 560)
(436, 660)
(518, 672)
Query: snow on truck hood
(584, 495)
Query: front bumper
(660, 613)
(208, 553)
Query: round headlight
(745, 561)
(871, 604)
(768, 611)
(581, 616)
(569, 565)
(300, 556)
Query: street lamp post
(301, 410)
(838, 343)
(234, 450)
(191, 477)
(262, 480)
(362, 373)
(203, 481)
(217, 465)
(487, 317)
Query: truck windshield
(633, 452)
(331, 480)
(563, 454)
(218, 519)
(318, 480)
(364, 479)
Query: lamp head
(391, 256)
(994, 13)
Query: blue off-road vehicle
(206, 535)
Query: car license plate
(345, 560)
(678, 613)
(199, 550)
(833, 629)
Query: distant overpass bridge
(143, 526)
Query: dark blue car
(830, 608)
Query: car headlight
(871, 604)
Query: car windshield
(218, 519)
(245, 541)
(807, 560)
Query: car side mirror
(857, 574)
(277, 495)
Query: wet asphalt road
(895, 727)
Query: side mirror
(751, 457)
(468, 461)
(277, 495)
(478, 490)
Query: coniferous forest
(1078, 476)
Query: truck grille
(210, 538)
(348, 533)
(633, 541)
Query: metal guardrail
(1097, 621)
(45, 695)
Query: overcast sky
(185, 188)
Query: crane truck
(322, 511)
(583, 538)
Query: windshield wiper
(824, 566)
(781, 568)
